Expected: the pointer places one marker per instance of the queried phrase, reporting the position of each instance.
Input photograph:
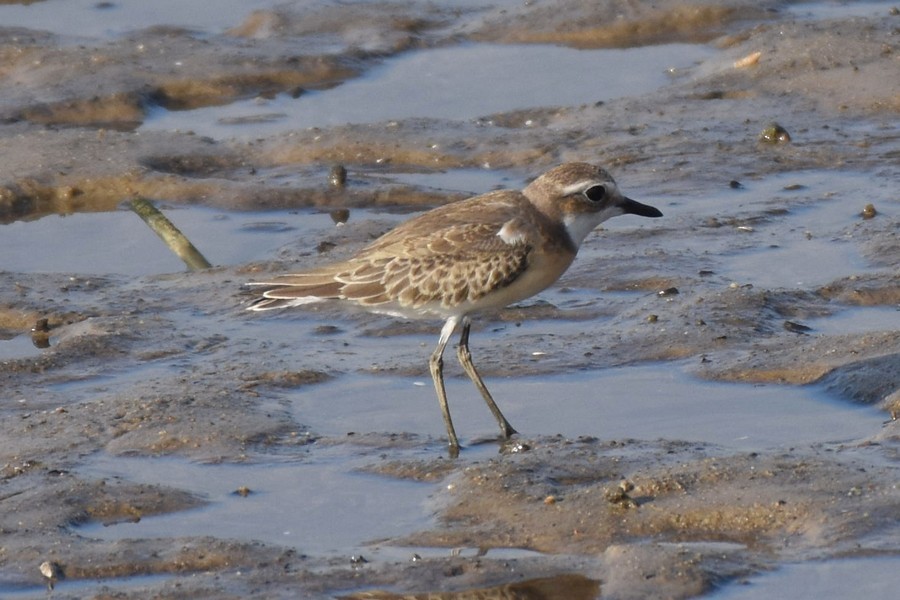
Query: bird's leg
(465, 359)
(436, 366)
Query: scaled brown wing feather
(461, 262)
(492, 209)
(445, 256)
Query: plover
(466, 257)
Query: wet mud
(171, 365)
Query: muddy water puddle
(647, 402)
(799, 263)
(319, 505)
(857, 320)
(796, 230)
(104, 20)
(872, 578)
(84, 588)
(787, 230)
(449, 83)
(841, 9)
(119, 242)
(473, 181)
(20, 346)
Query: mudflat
(701, 399)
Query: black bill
(633, 207)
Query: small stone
(327, 330)
(514, 447)
(337, 176)
(748, 61)
(869, 211)
(774, 133)
(619, 495)
(340, 215)
(795, 327)
(325, 246)
(40, 334)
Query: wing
(457, 264)
(448, 256)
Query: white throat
(581, 224)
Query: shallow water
(84, 587)
(857, 320)
(646, 402)
(841, 9)
(318, 505)
(813, 243)
(448, 83)
(103, 20)
(20, 346)
(81, 243)
(99, 20)
(796, 230)
(876, 578)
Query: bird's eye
(595, 193)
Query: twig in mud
(174, 239)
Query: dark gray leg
(436, 366)
(465, 359)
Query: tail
(295, 290)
